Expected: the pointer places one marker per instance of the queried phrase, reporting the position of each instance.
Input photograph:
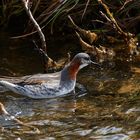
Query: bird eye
(87, 58)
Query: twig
(42, 37)
(74, 25)
(85, 9)
(2, 109)
(111, 19)
(36, 6)
(91, 36)
(128, 37)
(4, 112)
(25, 35)
(46, 60)
(45, 57)
(125, 3)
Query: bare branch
(12, 118)
(46, 60)
(127, 36)
(91, 36)
(2, 109)
(28, 11)
(85, 9)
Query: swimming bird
(49, 85)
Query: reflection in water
(70, 117)
(103, 108)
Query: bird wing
(32, 91)
(33, 79)
(37, 79)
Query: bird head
(83, 59)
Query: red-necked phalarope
(50, 85)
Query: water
(108, 109)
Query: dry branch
(127, 37)
(85, 46)
(46, 59)
(111, 19)
(85, 9)
(42, 37)
(91, 36)
(12, 118)
(2, 109)
(101, 53)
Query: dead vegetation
(116, 18)
(5, 114)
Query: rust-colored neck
(73, 70)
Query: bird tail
(17, 89)
(3, 79)
(6, 86)
(3, 88)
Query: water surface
(106, 107)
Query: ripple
(111, 137)
(132, 110)
(108, 130)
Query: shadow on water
(106, 106)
